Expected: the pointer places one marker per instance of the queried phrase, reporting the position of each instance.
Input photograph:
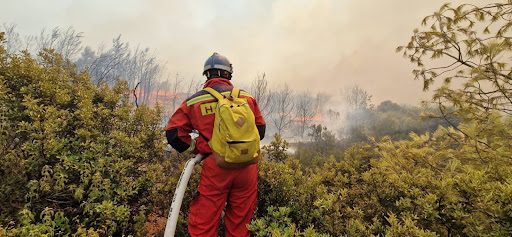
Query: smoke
(320, 45)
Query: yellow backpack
(235, 136)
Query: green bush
(429, 185)
(75, 158)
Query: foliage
(321, 146)
(473, 46)
(277, 223)
(452, 182)
(356, 97)
(430, 185)
(277, 149)
(75, 158)
(393, 120)
(136, 65)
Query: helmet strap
(217, 73)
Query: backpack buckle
(229, 97)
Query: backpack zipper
(238, 142)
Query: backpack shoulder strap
(235, 92)
(213, 92)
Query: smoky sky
(320, 46)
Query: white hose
(172, 219)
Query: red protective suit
(217, 186)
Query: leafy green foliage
(452, 182)
(469, 45)
(277, 223)
(277, 149)
(429, 185)
(395, 121)
(75, 158)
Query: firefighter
(230, 185)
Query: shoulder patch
(208, 108)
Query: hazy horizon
(321, 46)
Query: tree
(67, 43)
(388, 106)
(316, 132)
(277, 150)
(86, 59)
(106, 66)
(471, 46)
(193, 86)
(175, 89)
(358, 114)
(323, 139)
(138, 67)
(76, 159)
(148, 72)
(281, 117)
(356, 98)
(304, 112)
(13, 43)
(70, 43)
(321, 100)
(262, 94)
(333, 115)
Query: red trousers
(217, 186)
